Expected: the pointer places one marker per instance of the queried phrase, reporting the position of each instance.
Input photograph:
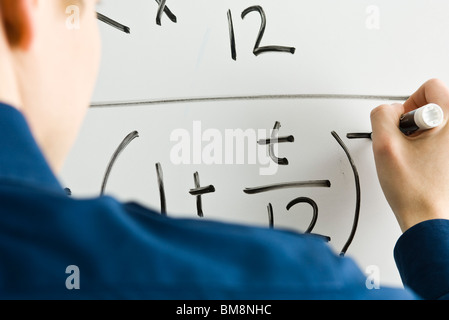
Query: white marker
(424, 118)
(427, 117)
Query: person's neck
(10, 94)
(9, 91)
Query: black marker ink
(113, 23)
(68, 191)
(314, 217)
(299, 184)
(265, 142)
(202, 190)
(270, 216)
(199, 204)
(359, 135)
(232, 36)
(358, 193)
(130, 137)
(160, 10)
(164, 9)
(273, 140)
(314, 206)
(160, 182)
(257, 48)
(198, 191)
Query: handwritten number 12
(257, 48)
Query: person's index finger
(432, 91)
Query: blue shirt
(53, 246)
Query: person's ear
(18, 21)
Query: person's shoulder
(163, 256)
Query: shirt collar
(21, 159)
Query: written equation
(372, 23)
(198, 191)
(258, 49)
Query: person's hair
(12, 20)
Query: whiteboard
(198, 110)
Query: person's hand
(413, 171)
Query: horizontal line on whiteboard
(253, 97)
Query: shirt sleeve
(422, 258)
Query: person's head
(48, 67)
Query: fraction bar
(297, 184)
